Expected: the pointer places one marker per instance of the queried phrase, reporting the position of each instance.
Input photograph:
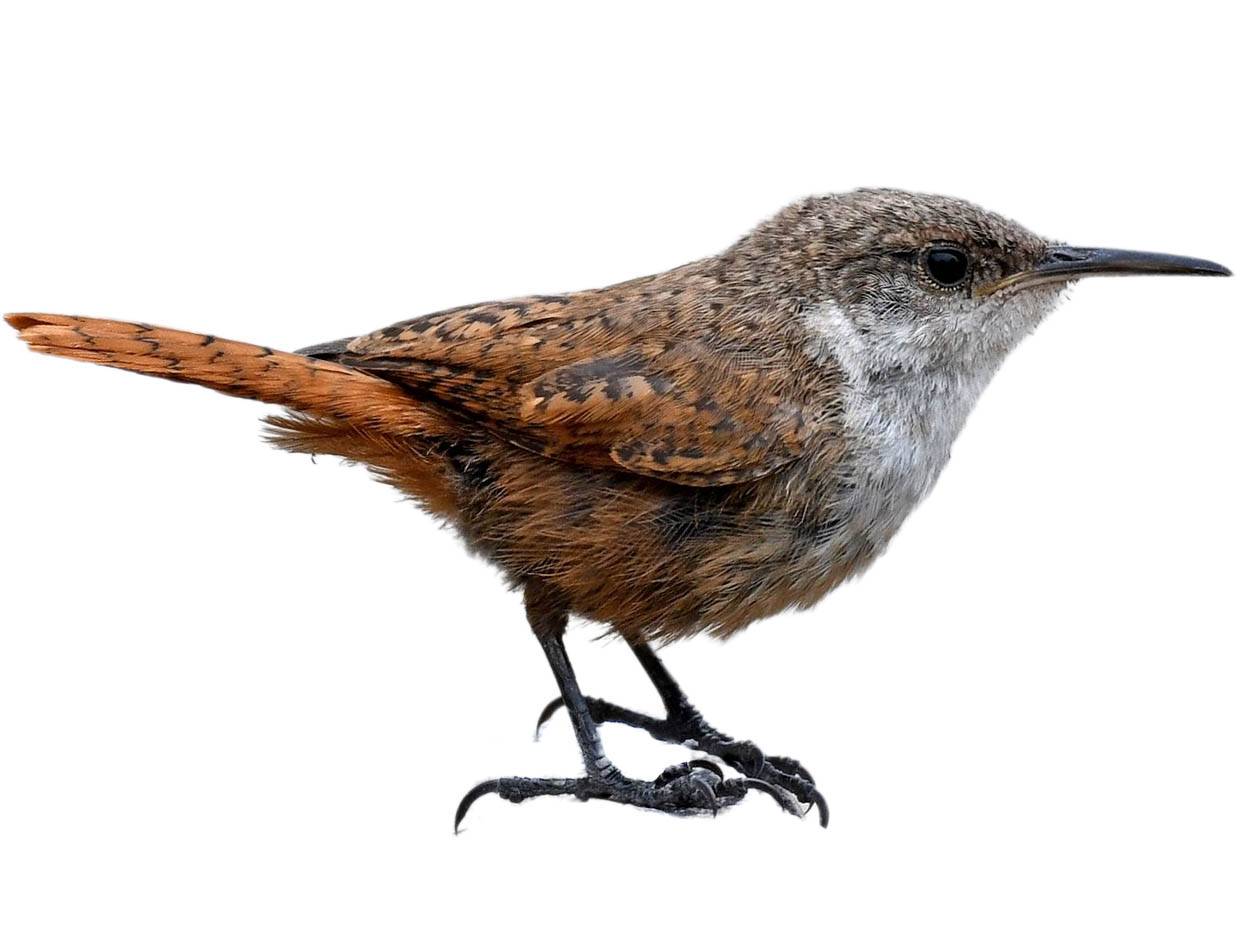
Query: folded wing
(634, 378)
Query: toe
(745, 756)
(786, 764)
(784, 799)
(710, 766)
(695, 768)
(799, 785)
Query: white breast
(899, 425)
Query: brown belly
(651, 560)
(655, 560)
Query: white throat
(900, 418)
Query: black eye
(946, 265)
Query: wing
(637, 377)
(680, 411)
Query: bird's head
(918, 281)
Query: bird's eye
(947, 265)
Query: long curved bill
(1066, 262)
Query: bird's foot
(687, 727)
(693, 788)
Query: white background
(240, 693)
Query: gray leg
(685, 725)
(691, 788)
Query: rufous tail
(322, 389)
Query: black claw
(710, 766)
(803, 790)
(549, 709)
(785, 802)
(491, 785)
(710, 796)
(823, 813)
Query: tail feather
(323, 389)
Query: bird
(682, 453)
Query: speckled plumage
(672, 454)
(688, 451)
(676, 453)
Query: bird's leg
(691, 788)
(683, 724)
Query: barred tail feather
(326, 390)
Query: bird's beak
(1065, 263)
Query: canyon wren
(680, 453)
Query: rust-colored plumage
(616, 445)
(234, 368)
(688, 451)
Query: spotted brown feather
(666, 395)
